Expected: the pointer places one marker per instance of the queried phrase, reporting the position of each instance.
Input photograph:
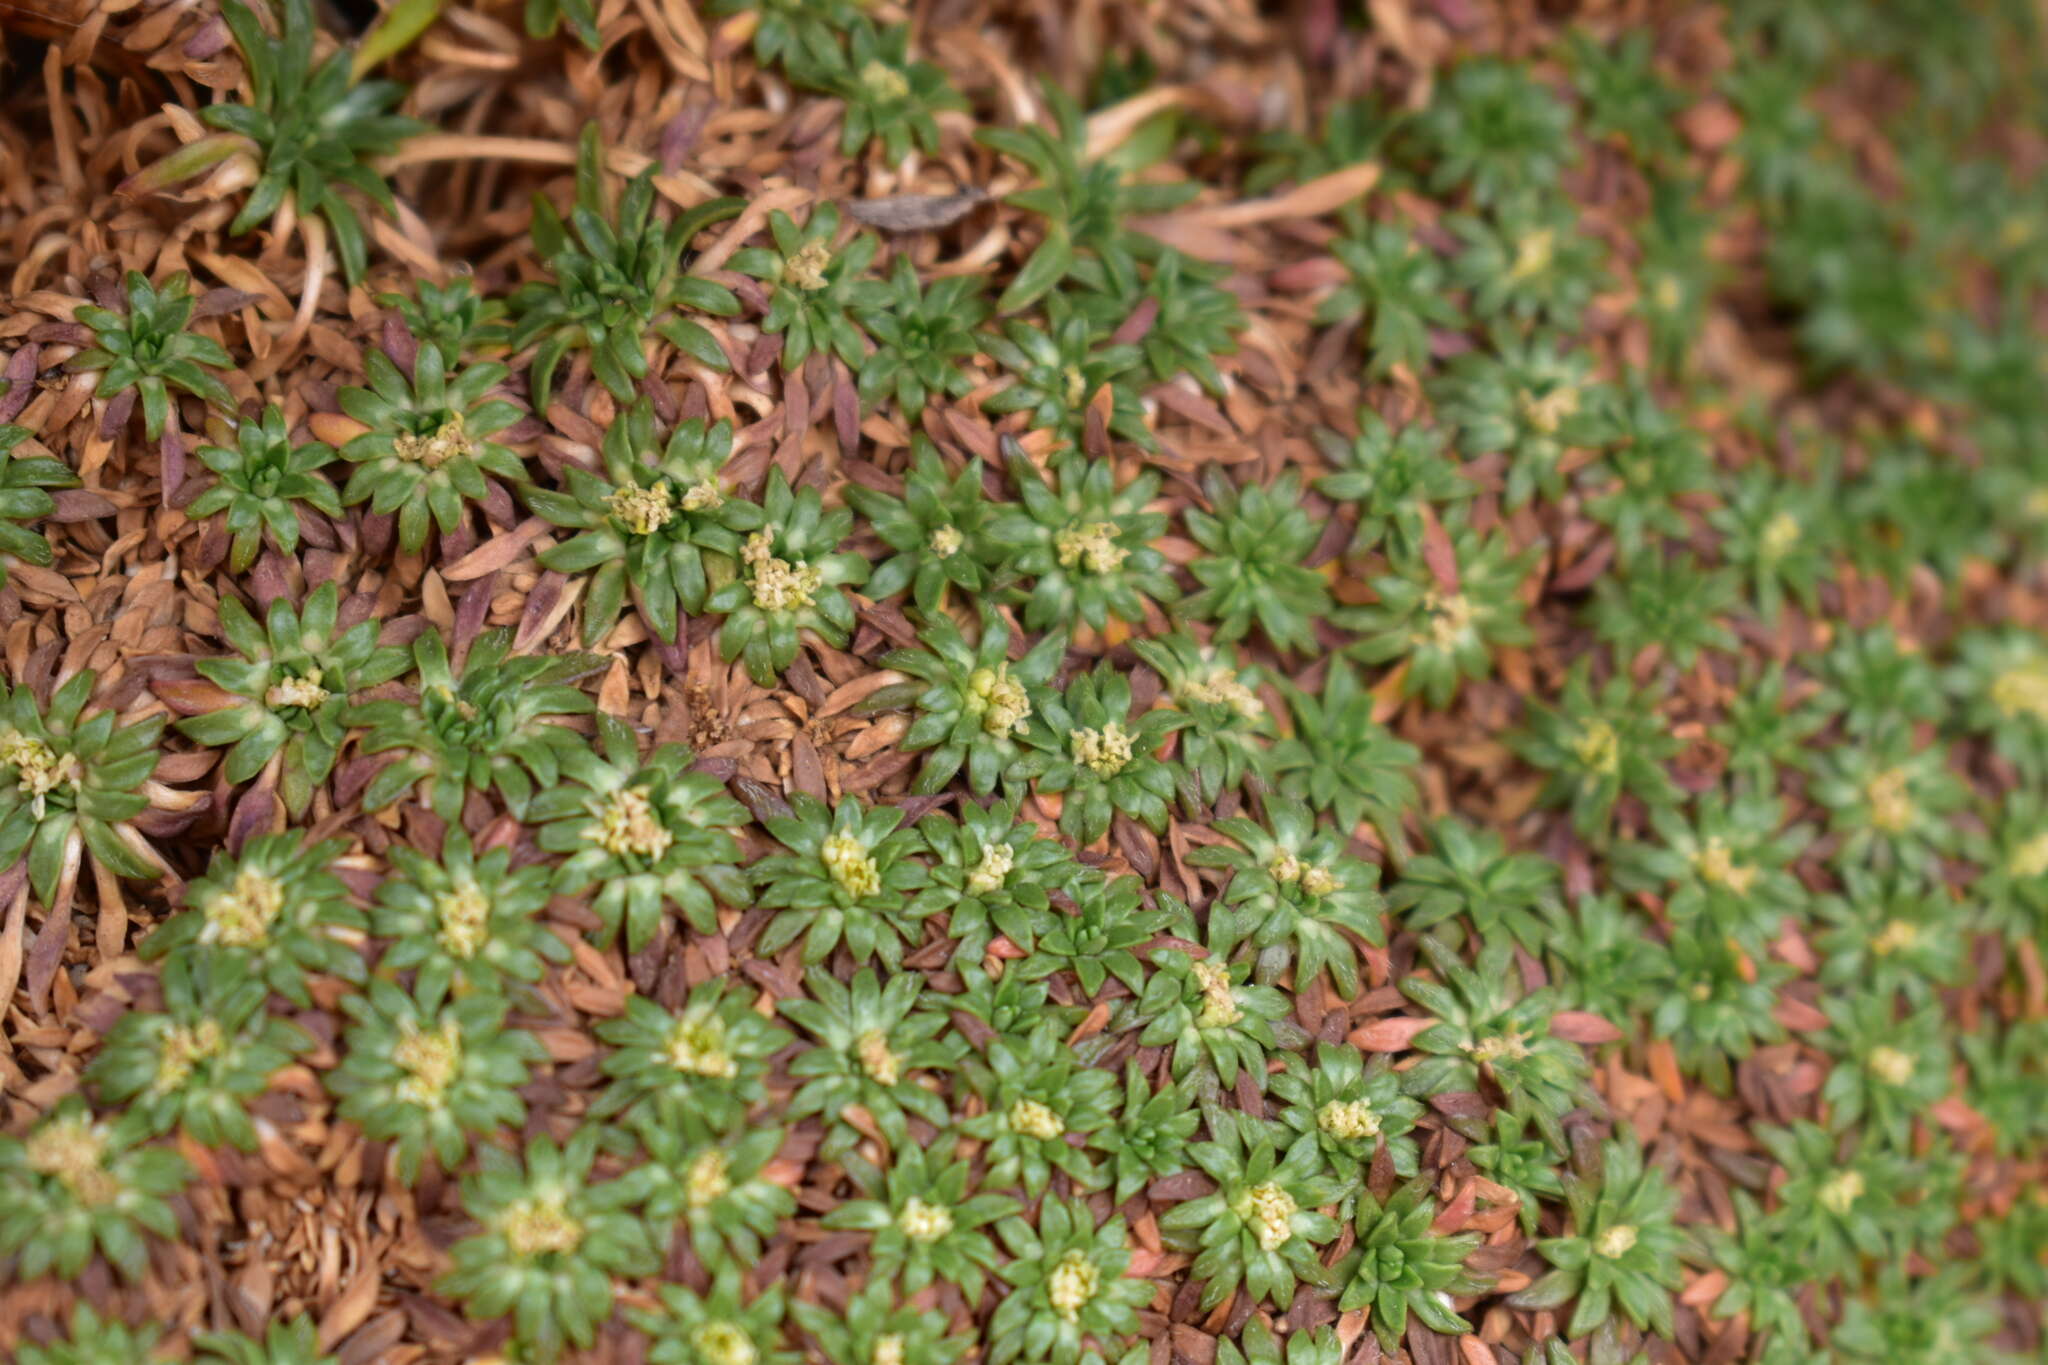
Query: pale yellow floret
(946, 541)
(806, 269)
(1446, 620)
(184, 1047)
(431, 1059)
(73, 1151)
(1348, 1120)
(1269, 1211)
(1073, 1282)
(465, 914)
(242, 915)
(643, 511)
(1512, 1046)
(777, 584)
(723, 1343)
(1090, 545)
(996, 861)
(1533, 254)
(1615, 1241)
(922, 1222)
(1221, 687)
(2030, 859)
(449, 440)
(1546, 412)
(305, 692)
(2022, 691)
(708, 1180)
(38, 769)
(1318, 880)
(697, 1046)
(703, 496)
(1219, 1000)
(1005, 705)
(1780, 534)
(1105, 752)
(1599, 748)
(1891, 802)
(537, 1225)
(627, 825)
(1031, 1119)
(1898, 936)
(852, 870)
(1077, 385)
(881, 1064)
(1890, 1065)
(1717, 867)
(1841, 1191)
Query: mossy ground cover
(1023, 682)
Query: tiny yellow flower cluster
(2022, 691)
(779, 585)
(432, 1060)
(1599, 748)
(465, 920)
(241, 916)
(723, 1343)
(2030, 859)
(708, 1180)
(1615, 1242)
(1512, 1045)
(703, 496)
(1348, 1120)
(539, 1224)
(1034, 1120)
(697, 1046)
(1221, 687)
(643, 511)
(1090, 545)
(626, 824)
(305, 692)
(876, 1058)
(1270, 1211)
(1077, 386)
(1533, 254)
(884, 84)
(1841, 1191)
(1219, 1001)
(1005, 706)
(1717, 867)
(1105, 752)
(806, 269)
(73, 1150)
(1073, 1282)
(853, 871)
(1891, 802)
(1890, 1065)
(448, 440)
(184, 1047)
(1546, 412)
(1780, 534)
(1447, 620)
(1313, 878)
(922, 1222)
(946, 541)
(38, 770)
(996, 861)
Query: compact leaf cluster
(794, 801)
